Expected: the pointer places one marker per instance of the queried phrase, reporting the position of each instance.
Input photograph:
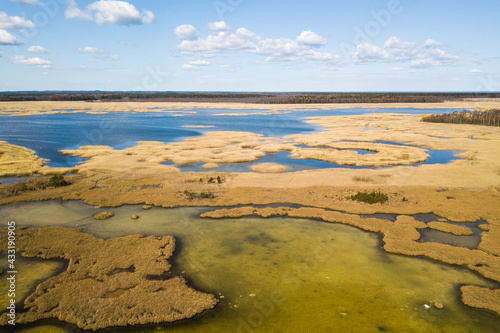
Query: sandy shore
(465, 190)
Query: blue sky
(250, 45)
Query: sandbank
(269, 168)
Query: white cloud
(199, 62)
(431, 43)
(37, 49)
(28, 2)
(113, 58)
(109, 11)
(434, 58)
(118, 12)
(189, 67)
(366, 53)
(276, 50)
(443, 55)
(72, 12)
(281, 49)
(395, 43)
(396, 69)
(311, 38)
(218, 26)
(7, 39)
(90, 50)
(148, 17)
(399, 50)
(323, 56)
(476, 71)
(216, 43)
(303, 47)
(195, 64)
(395, 50)
(424, 63)
(22, 60)
(245, 33)
(186, 32)
(14, 22)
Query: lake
(50, 133)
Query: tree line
(261, 98)
(488, 118)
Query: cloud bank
(305, 48)
(222, 40)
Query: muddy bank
(114, 282)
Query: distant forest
(261, 98)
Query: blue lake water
(48, 134)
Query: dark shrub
(57, 181)
(371, 198)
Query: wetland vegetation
(234, 252)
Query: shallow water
(430, 235)
(435, 156)
(283, 157)
(281, 274)
(11, 180)
(29, 273)
(294, 164)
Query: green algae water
(272, 275)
